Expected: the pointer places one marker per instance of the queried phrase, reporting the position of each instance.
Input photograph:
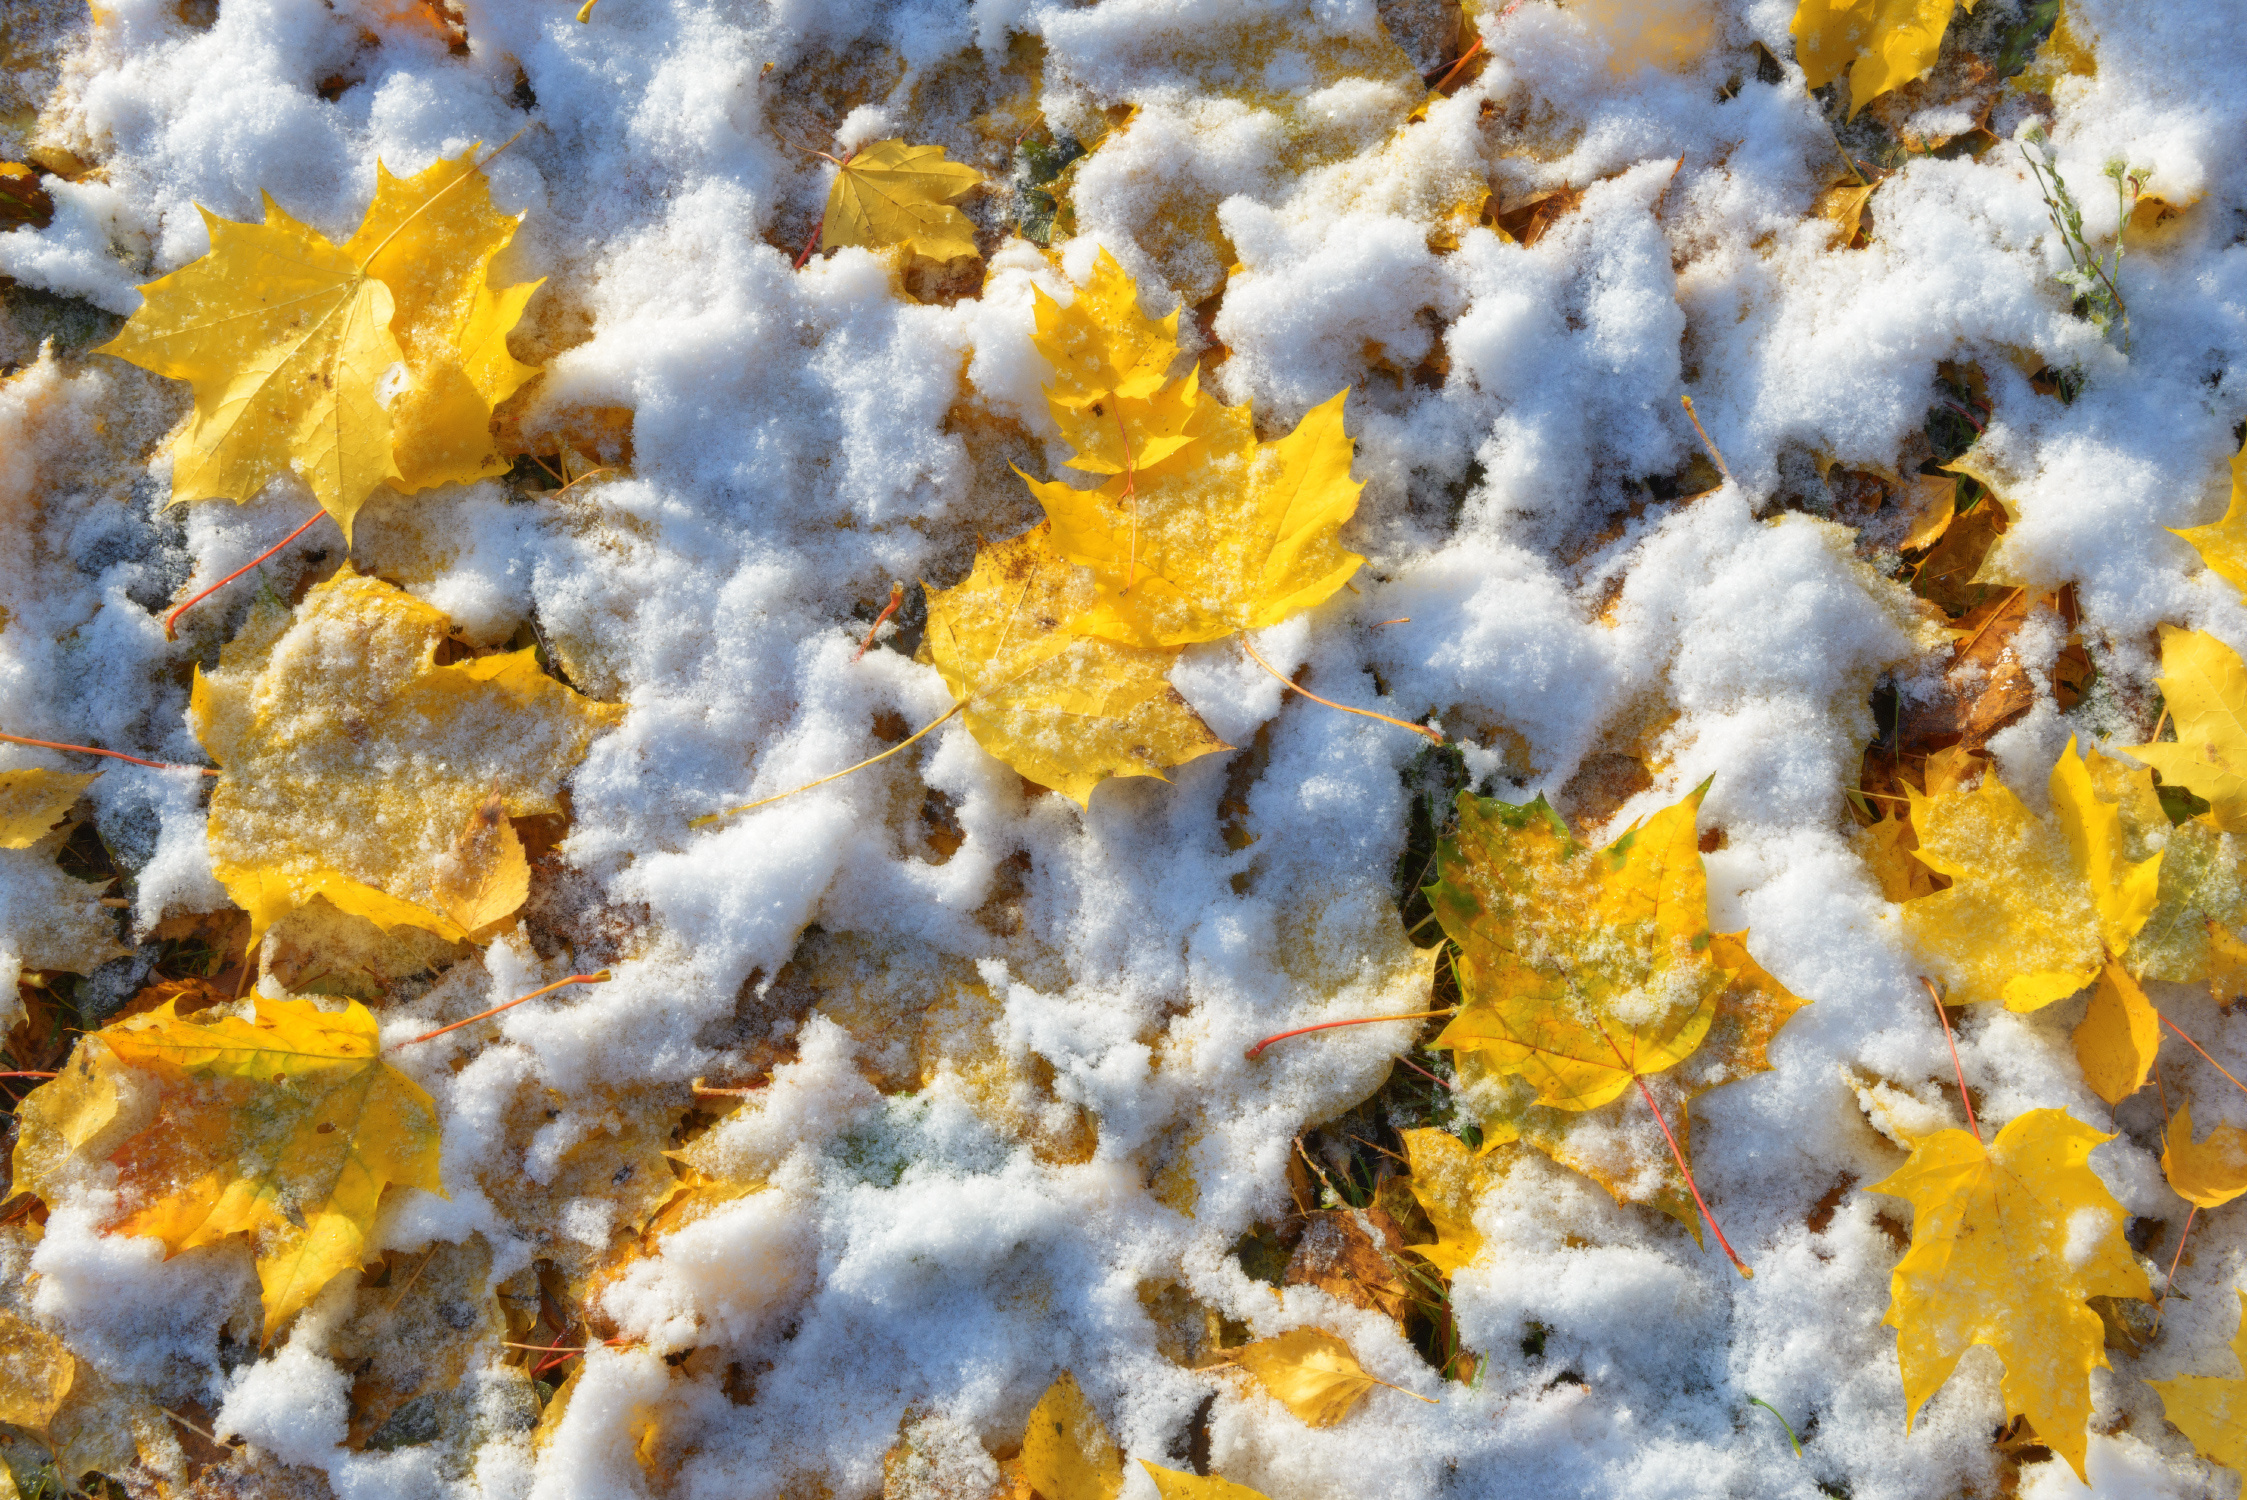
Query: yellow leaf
(1066, 1451)
(1447, 1181)
(2122, 891)
(1170, 1484)
(2008, 1243)
(1884, 44)
(1102, 345)
(350, 759)
(486, 879)
(60, 1116)
(33, 801)
(2222, 545)
(1579, 970)
(35, 1373)
(890, 193)
(286, 1129)
(431, 239)
(2212, 1409)
(2207, 1173)
(2118, 1036)
(1310, 1371)
(2205, 684)
(73, 931)
(1067, 711)
(288, 340)
(1890, 849)
(2018, 923)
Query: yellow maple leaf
(286, 1129)
(2222, 544)
(2035, 905)
(1884, 44)
(1066, 1451)
(1170, 1484)
(2205, 684)
(1890, 848)
(34, 801)
(1311, 1373)
(2212, 1409)
(1447, 1182)
(288, 340)
(2008, 1243)
(1579, 970)
(890, 193)
(1067, 711)
(2207, 1173)
(349, 758)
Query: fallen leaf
(35, 1373)
(2008, 1244)
(1888, 846)
(2207, 1173)
(289, 339)
(485, 879)
(2222, 544)
(2118, 1037)
(2205, 684)
(2211, 1410)
(1170, 1484)
(1309, 1371)
(1884, 44)
(890, 193)
(1066, 1451)
(1950, 575)
(48, 918)
(1447, 1182)
(1067, 711)
(1351, 1254)
(349, 759)
(2034, 903)
(22, 200)
(34, 801)
(286, 1129)
(1842, 205)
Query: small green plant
(2095, 278)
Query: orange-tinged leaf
(1066, 1451)
(2118, 1037)
(286, 1129)
(350, 759)
(2008, 1244)
(34, 801)
(2212, 1409)
(2205, 685)
(2208, 1173)
(486, 879)
(891, 193)
(1067, 711)
(1579, 970)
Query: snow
(800, 439)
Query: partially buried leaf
(1172, 1485)
(286, 1129)
(2207, 1173)
(1310, 1372)
(1888, 847)
(2222, 544)
(486, 878)
(890, 193)
(289, 342)
(2008, 1245)
(1884, 44)
(1066, 1451)
(2205, 684)
(2212, 1409)
(1067, 711)
(1351, 1254)
(350, 759)
(48, 919)
(35, 800)
(1447, 1181)
(35, 1372)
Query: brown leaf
(1351, 1254)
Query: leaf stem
(1431, 1077)
(2203, 1051)
(1330, 703)
(1410, 1015)
(161, 765)
(600, 976)
(1464, 58)
(1691, 1186)
(1706, 441)
(896, 597)
(1956, 1067)
(817, 226)
(718, 817)
(171, 621)
(2174, 1260)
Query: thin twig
(1431, 1077)
(1405, 620)
(410, 1280)
(27, 1073)
(1963, 1097)
(1414, 1015)
(1366, 713)
(161, 765)
(1464, 58)
(1706, 441)
(601, 976)
(2174, 1261)
(171, 621)
(718, 817)
(2203, 1051)
(204, 1433)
